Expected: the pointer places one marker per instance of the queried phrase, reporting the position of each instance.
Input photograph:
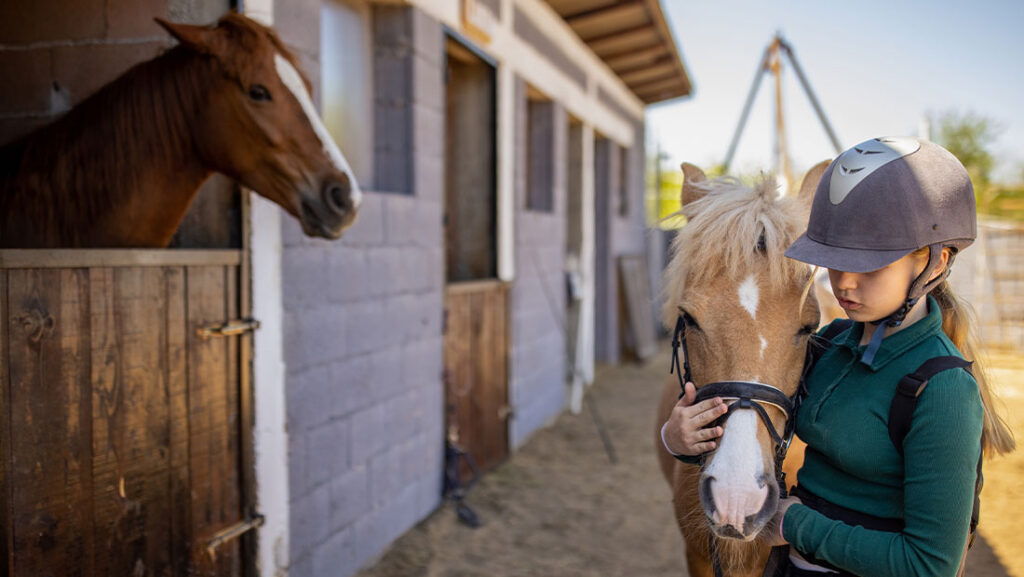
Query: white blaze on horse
(122, 167)
(747, 314)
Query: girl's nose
(842, 281)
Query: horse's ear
(691, 175)
(200, 39)
(810, 183)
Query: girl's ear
(945, 259)
(691, 176)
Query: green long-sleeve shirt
(851, 461)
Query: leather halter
(745, 395)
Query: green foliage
(970, 136)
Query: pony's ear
(810, 183)
(200, 39)
(691, 175)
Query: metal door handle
(233, 532)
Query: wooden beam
(84, 258)
(624, 41)
(604, 21)
(658, 16)
(651, 89)
(570, 8)
(633, 60)
(651, 73)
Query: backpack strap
(910, 387)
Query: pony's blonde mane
(723, 236)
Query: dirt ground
(560, 507)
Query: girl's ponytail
(959, 325)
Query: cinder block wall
(538, 296)
(363, 316)
(54, 53)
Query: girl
(887, 220)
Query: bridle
(744, 395)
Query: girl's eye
(259, 93)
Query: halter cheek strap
(920, 287)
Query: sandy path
(558, 507)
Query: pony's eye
(259, 93)
(690, 321)
(807, 330)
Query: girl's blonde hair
(959, 325)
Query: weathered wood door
(476, 370)
(121, 449)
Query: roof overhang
(634, 40)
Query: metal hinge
(228, 328)
(233, 532)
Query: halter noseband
(744, 395)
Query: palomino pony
(122, 167)
(748, 315)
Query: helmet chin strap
(920, 287)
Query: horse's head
(259, 126)
(748, 316)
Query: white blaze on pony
(749, 297)
(291, 78)
(738, 472)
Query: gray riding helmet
(886, 198)
(882, 200)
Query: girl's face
(874, 295)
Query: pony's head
(748, 314)
(259, 126)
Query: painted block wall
(538, 369)
(362, 324)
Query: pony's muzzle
(738, 512)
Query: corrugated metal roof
(634, 39)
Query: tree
(970, 136)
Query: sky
(877, 67)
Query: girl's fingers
(709, 433)
(708, 415)
(704, 447)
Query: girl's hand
(685, 432)
(772, 532)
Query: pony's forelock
(723, 235)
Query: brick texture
(363, 341)
(538, 297)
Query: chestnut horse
(122, 167)
(749, 313)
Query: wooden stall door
(121, 439)
(476, 370)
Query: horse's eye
(259, 93)
(807, 330)
(690, 321)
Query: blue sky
(877, 67)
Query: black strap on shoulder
(910, 387)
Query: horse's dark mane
(102, 151)
(140, 119)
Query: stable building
(500, 148)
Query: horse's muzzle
(335, 211)
(743, 527)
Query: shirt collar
(896, 344)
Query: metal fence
(990, 275)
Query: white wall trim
(270, 432)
